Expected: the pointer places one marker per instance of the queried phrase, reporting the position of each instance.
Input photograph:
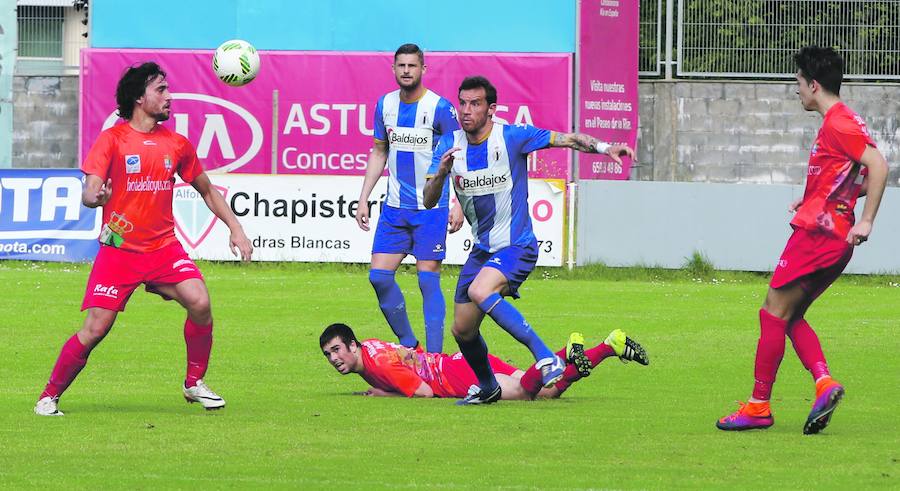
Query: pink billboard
(311, 112)
(607, 82)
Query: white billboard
(311, 219)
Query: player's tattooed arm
(589, 144)
(431, 194)
(576, 141)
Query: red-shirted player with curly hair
(130, 172)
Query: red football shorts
(813, 259)
(459, 374)
(117, 273)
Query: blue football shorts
(422, 233)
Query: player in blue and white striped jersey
(486, 162)
(408, 122)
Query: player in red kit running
(396, 370)
(130, 172)
(843, 159)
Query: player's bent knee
(477, 293)
(97, 324)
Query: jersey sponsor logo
(132, 164)
(225, 126)
(409, 139)
(148, 185)
(106, 291)
(782, 263)
(814, 170)
(193, 219)
(482, 182)
(150, 143)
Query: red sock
(532, 383)
(807, 346)
(596, 354)
(71, 360)
(199, 344)
(769, 352)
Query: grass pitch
(292, 423)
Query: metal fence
(50, 35)
(756, 38)
(650, 47)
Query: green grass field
(291, 421)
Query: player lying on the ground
(395, 370)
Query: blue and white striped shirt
(411, 131)
(491, 182)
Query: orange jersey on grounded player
(396, 368)
(138, 216)
(834, 175)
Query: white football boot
(204, 395)
(47, 406)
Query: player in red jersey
(843, 159)
(395, 370)
(130, 172)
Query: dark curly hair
(132, 85)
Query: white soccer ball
(236, 62)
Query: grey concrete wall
(747, 132)
(695, 131)
(736, 226)
(45, 122)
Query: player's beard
(410, 87)
(160, 117)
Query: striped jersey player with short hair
(408, 122)
(486, 163)
(842, 162)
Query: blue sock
(476, 354)
(392, 304)
(434, 309)
(507, 317)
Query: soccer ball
(236, 62)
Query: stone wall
(45, 122)
(748, 132)
(696, 131)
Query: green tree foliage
(759, 36)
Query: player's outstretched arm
(589, 144)
(374, 169)
(95, 192)
(216, 204)
(431, 194)
(876, 181)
